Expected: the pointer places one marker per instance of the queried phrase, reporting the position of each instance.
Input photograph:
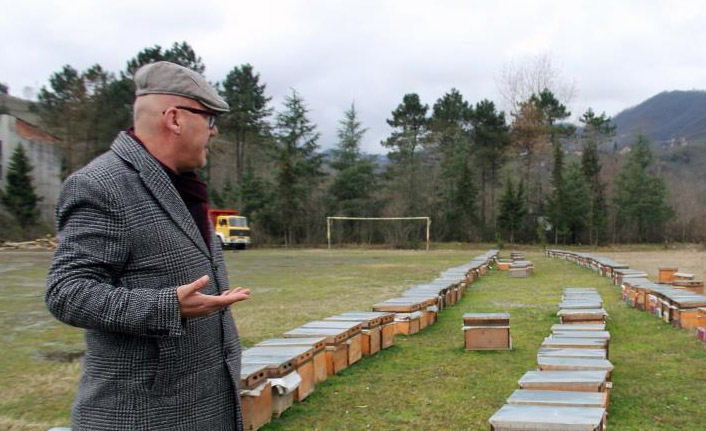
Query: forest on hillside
(481, 174)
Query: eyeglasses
(208, 114)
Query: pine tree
(490, 135)
(179, 53)
(576, 199)
(257, 200)
(298, 165)
(640, 197)
(556, 201)
(411, 127)
(450, 124)
(596, 130)
(512, 208)
(19, 197)
(353, 188)
(246, 121)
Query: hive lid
(601, 335)
(567, 378)
(547, 418)
(316, 342)
(570, 342)
(558, 398)
(572, 353)
(579, 327)
(582, 311)
(486, 316)
(578, 364)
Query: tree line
(480, 174)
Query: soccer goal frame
(330, 219)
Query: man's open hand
(194, 303)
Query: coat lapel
(158, 183)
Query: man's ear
(172, 121)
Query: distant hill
(667, 119)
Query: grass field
(426, 381)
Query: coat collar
(158, 183)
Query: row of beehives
(677, 298)
(570, 389)
(516, 266)
(277, 372)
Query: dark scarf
(193, 192)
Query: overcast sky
(372, 52)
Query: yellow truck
(231, 229)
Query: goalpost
(330, 219)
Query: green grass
(426, 381)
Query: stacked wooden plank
(570, 389)
(677, 298)
(280, 371)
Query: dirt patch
(691, 261)
(61, 355)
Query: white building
(43, 154)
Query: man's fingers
(194, 304)
(237, 290)
(234, 295)
(195, 286)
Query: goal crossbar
(329, 219)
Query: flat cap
(163, 77)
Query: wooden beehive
(572, 353)
(318, 345)
(512, 417)
(666, 273)
(685, 310)
(701, 317)
(558, 398)
(407, 323)
(487, 331)
(256, 406)
(586, 327)
(562, 342)
(336, 347)
(252, 376)
(370, 334)
(277, 366)
(694, 286)
(354, 340)
(545, 363)
(581, 316)
(303, 364)
(519, 272)
(504, 265)
(682, 276)
(577, 381)
(385, 320)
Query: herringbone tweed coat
(126, 241)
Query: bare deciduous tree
(520, 79)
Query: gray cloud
(335, 52)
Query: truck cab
(231, 229)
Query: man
(138, 267)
